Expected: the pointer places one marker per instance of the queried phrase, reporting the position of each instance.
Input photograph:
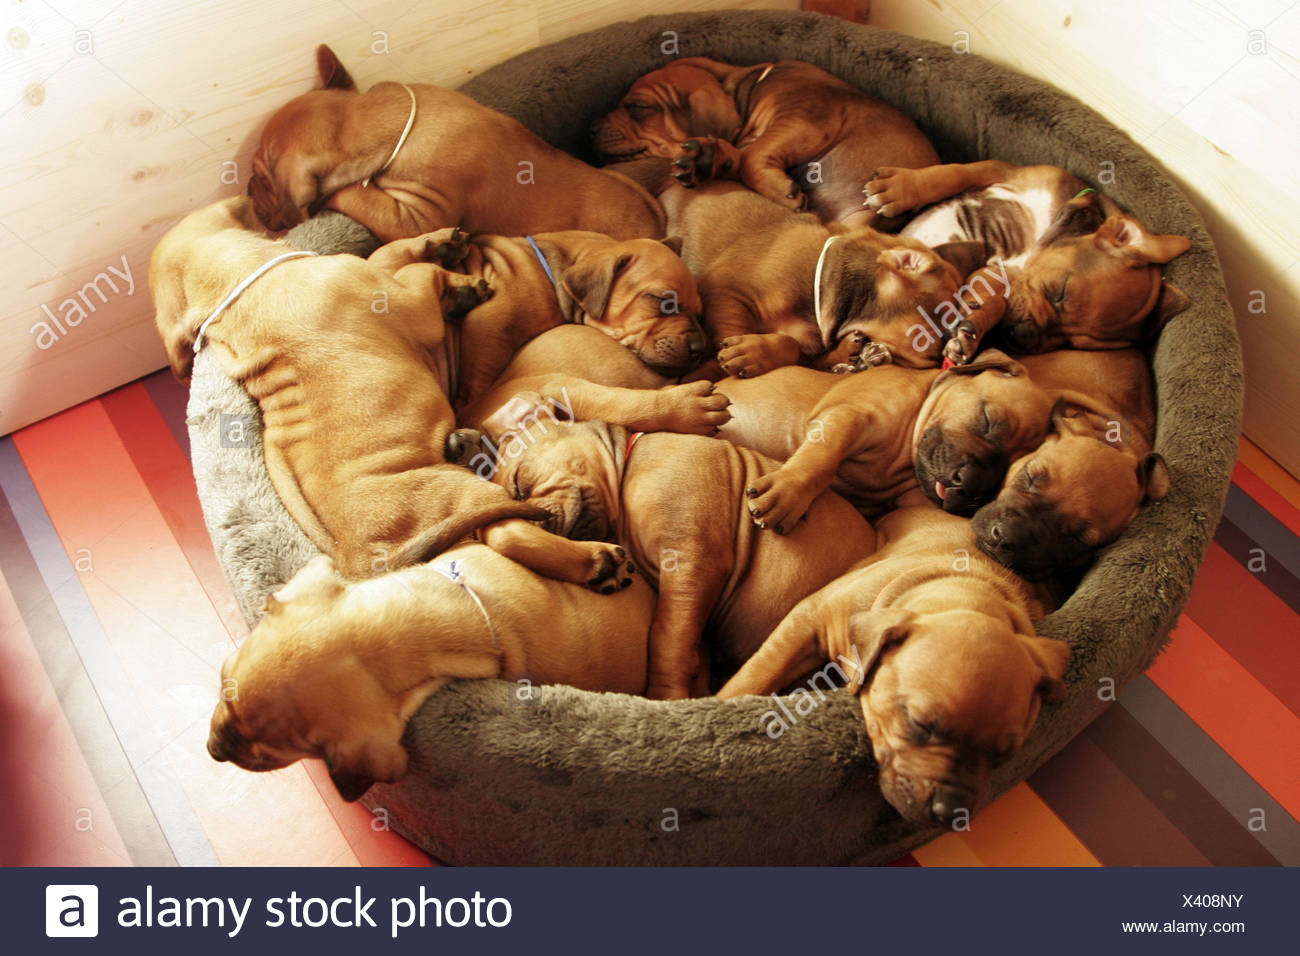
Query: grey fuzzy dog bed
(559, 776)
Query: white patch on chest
(942, 222)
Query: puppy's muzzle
(1030, 542)
(676, 354)
(224, 743)
(968, 486)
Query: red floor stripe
(1248, 621)
(167, 476)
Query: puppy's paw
(458, 300)
(704, 159)
(693, 409)
(747, 356)
(963, 345)
(778, 500)
(795, 199)
(447, 247)
(873, 354)
(611, 569)
(892, 191)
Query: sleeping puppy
(771, 120)
(357, 451)
(938, 644)
(335, 669)
(405, 160)
(781, 288)
(1079, 490)
(1078, 271)
(674, 502)
(879, 436)
(636, 291)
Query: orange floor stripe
(1273, 474)
(168, 638)
(1019, 829)
(951, 849)
(1255, 729)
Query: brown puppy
(1079, 490)
(674, 502)
(781, 117)
(457, 164)
(335, 669)
(1117, 380)
(637, 291)
(877, 436)
(781, 288)
(355, 451)
(1082, 273)
(938, 643)
(574, 373)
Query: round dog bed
(505, 774)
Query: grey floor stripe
(1213, 769)
(1265, 530)
(171, 397)
(143, 747)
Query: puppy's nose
(216, 751)
(947, 802)
(1026, 337)
(696, 346)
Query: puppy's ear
(869, 633)
(1124, 236)
(1078, 217)
(178, 339)
(1169, 303)
(966, 256)
(1051, 656)
(354, 770)
(989, 360)
(590, 283)
(674, 243)
(713, 112)
(1060, 412)
(1153, 476)
(333, 76)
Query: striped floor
(114, 619)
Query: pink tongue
(938, 490)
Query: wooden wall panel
(118, 118)
(1212, 89)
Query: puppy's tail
(460, 524)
